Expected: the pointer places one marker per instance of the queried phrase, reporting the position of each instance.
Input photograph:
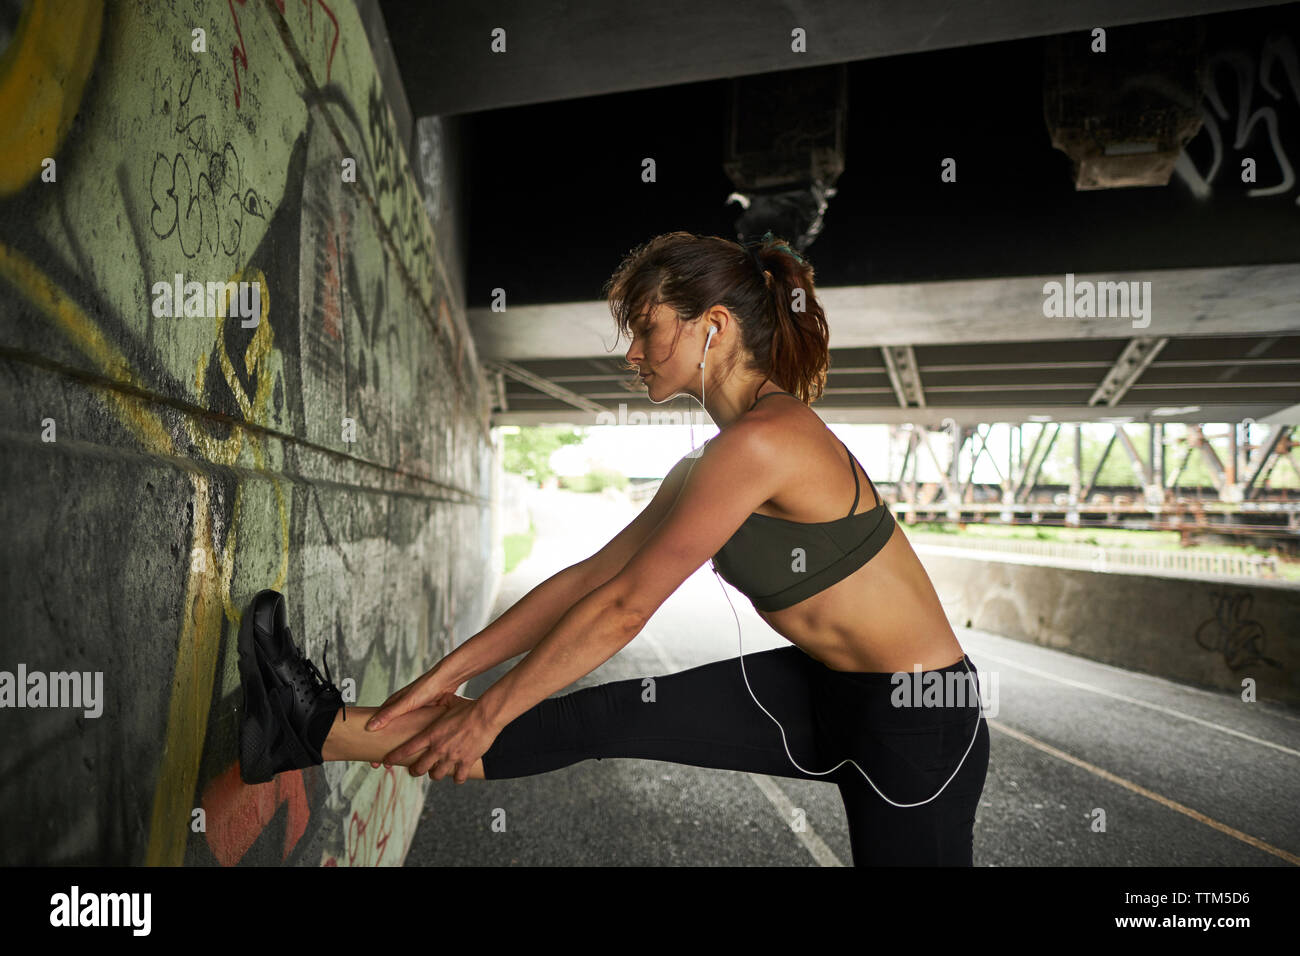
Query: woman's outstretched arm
(523, 624)
(534, 615)
(514, 632)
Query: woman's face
(664, 371)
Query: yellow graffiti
(187, 708)
(72, 320)
(226, 451)
(43, 74)
(207, 602)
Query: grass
(519, 546)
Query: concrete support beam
(619, 45)
(1123, 115)
(936, 415)
(520, 374)
(1235, 300)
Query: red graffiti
(362, 841)
(332, 304)
(238, 813)
(311, 25)
(336, 240)
(239, 54)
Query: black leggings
(705, 717)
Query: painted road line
(1140, 703)
(814, 844)
(1144, 792)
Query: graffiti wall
(230, 359)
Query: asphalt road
(1185, 777)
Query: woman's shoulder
(775, 430)
(782, 414)
(790, 430)
(775, 424)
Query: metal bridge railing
(643, 491)
(1093, 557)
(1119, 559)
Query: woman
(767, 499)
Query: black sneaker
(288, 707)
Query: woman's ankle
(349, 740)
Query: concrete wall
(156, 472)
(516, 494)
(1198, 632)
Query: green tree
(597, 479)
(528, 451)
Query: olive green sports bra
(777, 563)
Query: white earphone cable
(740, 638)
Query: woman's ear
(719, 317)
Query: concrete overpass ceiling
(953, 271)
(568, 50)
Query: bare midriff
(885, 616)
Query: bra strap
(857, 487)
(874, 490)
(761, 397)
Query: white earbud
(713, 330)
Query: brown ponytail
(782, 326)
(795, 345)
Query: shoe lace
(307, 672)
